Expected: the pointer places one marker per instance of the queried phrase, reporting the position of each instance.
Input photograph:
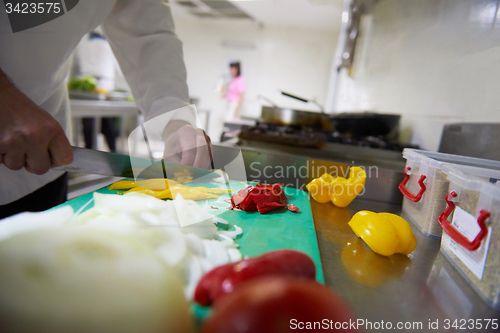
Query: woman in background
(235, 92)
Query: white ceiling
(315, 14)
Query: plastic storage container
(471, 224)
(425, 185)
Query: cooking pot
(362, 124)
(289, 117)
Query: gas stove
(310, 137)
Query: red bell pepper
(260, 197)
(224, 279)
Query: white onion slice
(233, 234)
(131, 202)
(24, 222)
(215, 252)
(81, 279)
(234, 255)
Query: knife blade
(110, 164)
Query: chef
(34, 107)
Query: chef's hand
(29, 136)
(187, 145)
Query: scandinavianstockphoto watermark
(298, 176)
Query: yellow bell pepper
(163, 194)
(183, 176)
(167, 189)
(384, 233)
(122, 185)
(157, 183)
(190, 194)
(340, 191)
(319, 189)
(209, 190)
(152, 184)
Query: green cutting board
(278, 229)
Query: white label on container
(467, 225)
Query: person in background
(235, 92)
(95, 58)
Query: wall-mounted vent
(188, 4)
(220, 5)
(204, 14)
(241, 15)
(213, 9)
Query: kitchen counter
(421, 288)
(415, 290)
(96, 109)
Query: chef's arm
(142, 36)
(29, 136)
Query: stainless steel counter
(414, 290)
(128, 111)
(421, 288)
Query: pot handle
(406, 192)
(456, 235)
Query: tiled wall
(433, 61)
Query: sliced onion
(174, 249)
(24, 222)
(131, 202)
(85, 216)
(220, 220)
(233, 234)
(195, 244)
(150, 219)
(179, 232)
(79, 279)
(234, 255)
(216, 253)
(121, 223)
(226, 240)
(193, 272)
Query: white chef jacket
(96, 58)
(141, 34)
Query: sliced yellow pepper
(163, 194)
(210, 190)
(384, 233)
(152, 184)
(167, 189)
(157, 183)
(183, 176)
(407, 240)
(340, 191)
(189, 194)
(319, 189)
(122, 185)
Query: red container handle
(406, 192)
(456, 235)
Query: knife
(117, 165)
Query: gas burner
(309, 137)
(287, 135)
